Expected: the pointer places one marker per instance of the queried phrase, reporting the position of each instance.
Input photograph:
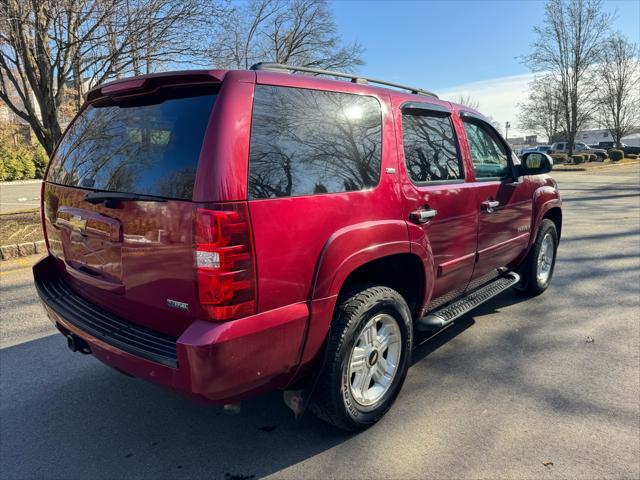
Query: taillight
(224, 261)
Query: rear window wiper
(111, 198)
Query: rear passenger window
(306, 142)
(430, 147)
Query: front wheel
(368, 353)
(540, 263)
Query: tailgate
(117, 205)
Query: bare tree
(542, 112)
(49, 48)
(617, 80)
(299, 32)
(495, 124)
(567, 46)
(467, 101)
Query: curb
(596, 167)
(9, 252)
(21, 182)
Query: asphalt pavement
(19, 196)
(520, 388)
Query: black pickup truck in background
(625, 148)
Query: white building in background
(602, 135)
(632, 140)
(594, 136)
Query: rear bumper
(220, 362)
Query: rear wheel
(368, 353)
(539, 264)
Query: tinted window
(430, 151)
(309, 141)
(148, 147)
(487, 152)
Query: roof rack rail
(354, 78)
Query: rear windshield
(148, 146)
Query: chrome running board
(445, 315)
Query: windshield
(148, 146)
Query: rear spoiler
(120, 89)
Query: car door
(503, 201)
(438, 203)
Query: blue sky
(457, 47)
(444, 43)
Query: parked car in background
(627, 149)
(224, 233)
(539, 148)
(578, 147)
(526, 150)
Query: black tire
(531, 285)
(332, 399)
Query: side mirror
(535, 163)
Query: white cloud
(498, 98)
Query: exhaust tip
(77, 344)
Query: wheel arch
(402, 272)
(555, 215)
(546, 204)
(350, 256)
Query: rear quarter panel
(292, 233)
(307, 245)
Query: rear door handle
(489, 205)
(422, 215)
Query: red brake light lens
(225, 262)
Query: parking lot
(540, 388)
(19, 196)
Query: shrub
(21, 162)
(3, 171)
(577, 159)
(40, 160)
(24, 157)
(13, 168)
(616, 155)
(559, 158)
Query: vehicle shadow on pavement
(426, 343)
(83, 419)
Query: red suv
(224, 233)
